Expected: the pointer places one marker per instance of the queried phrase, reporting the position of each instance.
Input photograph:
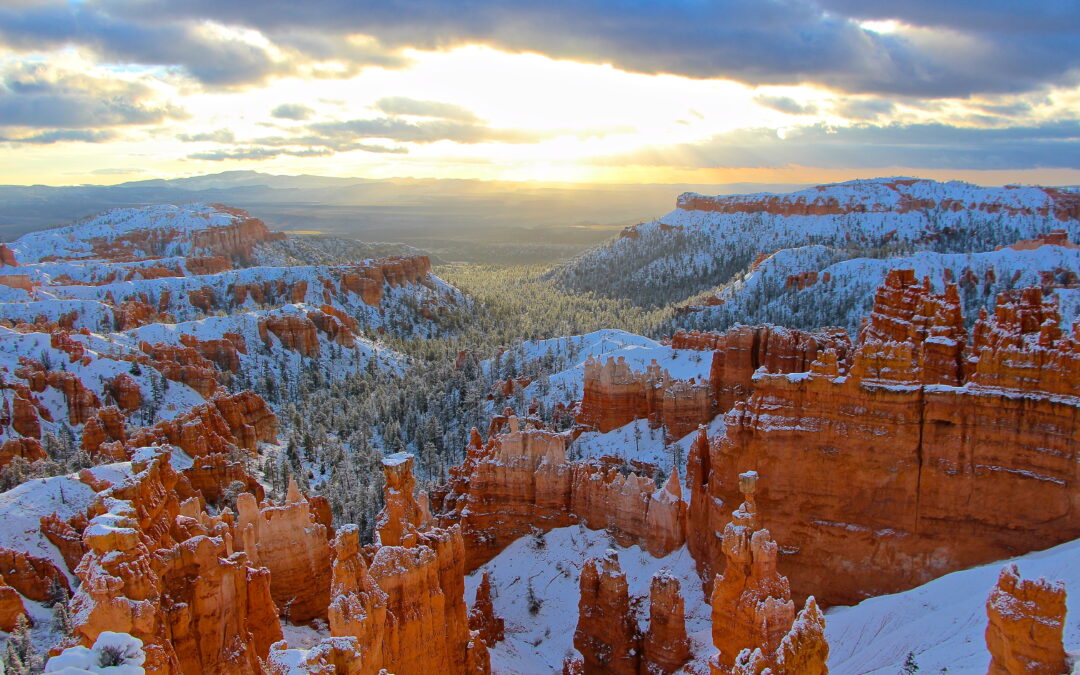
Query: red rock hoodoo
(1027, 623)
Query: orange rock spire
(1027, 623)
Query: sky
(696, 91)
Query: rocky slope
(118, 330)
(708, 241)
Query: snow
(942, 622)
(73, 241)
(537, 643)
(570, 354)
(396, 459)
(637, 442)
(82, 661)
(22, 507)
(762, 295)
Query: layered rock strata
(521, 480)
(967, 429)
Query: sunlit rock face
(931, 435)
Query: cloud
(292, 111)
(215, 57)
(401, 105)
(863, 108)
(216, 136)
(786, 104)
(1004, 47)
(396, 129)
(257, 153)
(118, 171)
(922, 146)
(40, 95)
(61, 136)
(270, 148)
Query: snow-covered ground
(762, 295)
(636, 441)
(74, 241)
(567, 357)
(537, 642)
(943, 622)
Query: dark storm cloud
(923, 146)
(292, 111)
(401, 105)
(786, 104)
(211, 58)
(1004, 47)
(37, 95)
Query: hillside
(708, 241)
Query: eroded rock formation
(1026, 626)
(967, 430)
(606, 635)
(286, 539)
(753, 614)
(521, 480)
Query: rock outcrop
(665, 647)
(521, 480)
(606, 635)
(1026, 626)
(482, 619)
(753, 614)
(967, 431)
(286, 539)
(166, 573)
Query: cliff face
(739, 352)
(521, 480)
(926, 502)
(897, 196)
(286, 539)
(1026, 626)
(399, 604)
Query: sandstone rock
(29, 449)
(1026, 627)
(11, 607)
(297, 333)
(358, 609)
(401, 514)
(285, 539)
(482, 617)
(521, 481)
(106, 425)
(125, 391)
(754, 623)
(927, 502)
(66, 536)
(665, 647)
(606, 634)
(34, 578)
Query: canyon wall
(930, 439)
(521, 481)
